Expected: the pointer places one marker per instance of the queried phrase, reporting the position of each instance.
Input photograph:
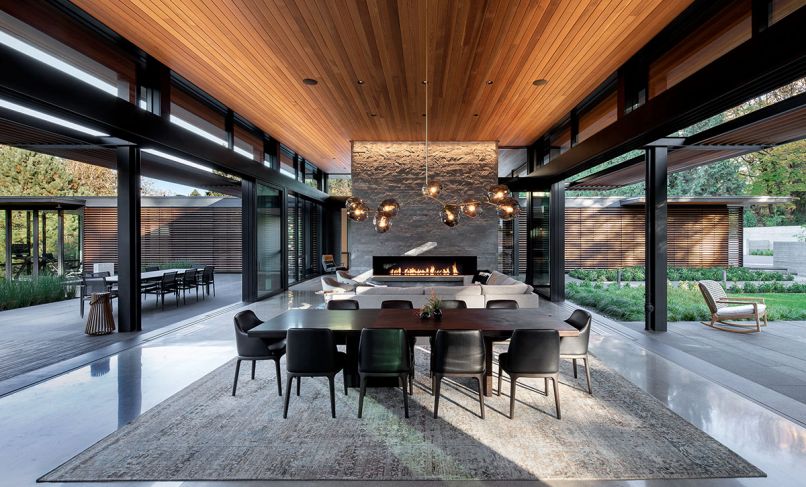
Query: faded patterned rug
(203, 433)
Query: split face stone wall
(397, 169)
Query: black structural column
(8, 256)
(248, 240)
(35, 253)
(128, 167)
(655, 254)
(557, 241)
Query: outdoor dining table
(495, 325)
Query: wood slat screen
(698, 236)
(506, 247)
(210, 236)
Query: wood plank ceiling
(253, 54)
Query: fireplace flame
(451, 270)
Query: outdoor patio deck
(39, 336)
(774, 358)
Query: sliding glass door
(269, 240)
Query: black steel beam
(557, 241)
(655, 240)
(249, 241)
(128, 169)
(776, 57)
(47, 89)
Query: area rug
(203, 433)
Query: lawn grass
(685, 303)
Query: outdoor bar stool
(457, 353)
(404, 304)
(383, 353)
(577, 347)
(531, 353)
(502, 304)
(254, 349)
(311, 352)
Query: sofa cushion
(496, 278)
(388, 291)
(474, 290)
(740, 311)
(503, 289)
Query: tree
(780, 171)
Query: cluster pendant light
(497, 195)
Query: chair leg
(344, 381)
(574, 361)
(237, 371)
(513, 380)
(588, 374)
(361, 393)
(279, 378)
(480, 378)
(437, 383)
(500, 373)
(287, 395)
(253, 369)
(299, 379)
(556, 395)
(546, 386)
(404, 380)
(330, 380)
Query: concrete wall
(769, 234)
(397, 169)
(791, 256)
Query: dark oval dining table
(495, 325)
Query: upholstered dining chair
(404, 304)
(576, 348)
(348, 304)
(383, 353)
(152, 268)
(254, 349)
(457, 353)
(311, 352)
(502, 304)
(721, 312)
(453, 304)
(531, 353)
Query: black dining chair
(95, 282)
(167, 285)
(347, 304)
(311, 352)
(190, 281)
(457, 353)
(502, 304)
(152, 268)
(576, 348)
(254, 349)
(383, 353)
(531, 353)
(208, 279)
(453, 304)
(404, 304)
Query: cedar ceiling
(253, 54)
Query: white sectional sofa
(475, 295)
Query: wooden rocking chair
(746, 308)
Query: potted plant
(433, 308)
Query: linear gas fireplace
(423, 266)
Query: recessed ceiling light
(360, 82)
(475, 114)
(372, 114)
(539, 82)
(489, 81)
(310, 81)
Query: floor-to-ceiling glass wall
(269, 240)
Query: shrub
(761, 252)
(28, 292)
(175, 264)
(682, 274)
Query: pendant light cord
(426, 92)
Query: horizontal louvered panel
(210, 236)
(698, 236)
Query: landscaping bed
(682, 274)
(19, 293)
(685, 302)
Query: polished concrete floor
(41, 336)
(48, 423)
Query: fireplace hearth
(423, 266)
